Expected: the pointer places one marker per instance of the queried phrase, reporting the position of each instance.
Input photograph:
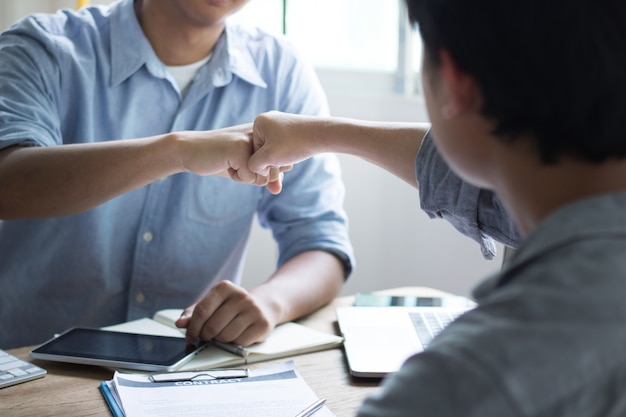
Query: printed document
(272, 391)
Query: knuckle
(223, 287)
(209, 331)
(201, 310)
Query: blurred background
(368, 60)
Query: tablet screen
(102, 347)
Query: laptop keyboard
(428, 324)
(13, 370)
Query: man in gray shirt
(526, 99)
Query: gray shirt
(548, 337)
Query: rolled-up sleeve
(308, 214)
(475, 212)
(29, 86)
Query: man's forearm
(282, 139)
(62, 180)
(68, 179)
(391, 146)
(303, 284)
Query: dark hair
(553, 69)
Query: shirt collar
(130, 50)
(231, 56)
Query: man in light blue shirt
(107, 216)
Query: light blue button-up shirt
(92, 76)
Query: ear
(462, 92)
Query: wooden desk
(72, 390)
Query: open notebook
(377, 340)
(286, 340)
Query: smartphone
(93, 346)
(380, 300)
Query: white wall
(396, 244)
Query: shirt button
(140, 297)
(147, 237)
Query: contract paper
(273, 391)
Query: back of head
(551, 69)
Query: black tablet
(93, 346)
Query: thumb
(184, 318)
(275, 185)
(258, 162)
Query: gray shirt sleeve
(475, 212)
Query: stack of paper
(268, 392)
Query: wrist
(275, 310)
(176, 151)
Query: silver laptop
(377, 340)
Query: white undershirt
(184, 74)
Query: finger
(203, 311)
(255, 333)
(242, 175)
(274, 174)
(218, 308)
(258, 164)
(259, 180)
(183, 322)
(274, 187)
(275, 183)
(184, 318)
(219, 321)
(232, 332)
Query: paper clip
(208, 374)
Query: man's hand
(225, 152)
(227, 313)
(222, 152)
(279, 141)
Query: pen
(236, 349)
(310, 410)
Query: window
(348, 34)
(366, 54)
